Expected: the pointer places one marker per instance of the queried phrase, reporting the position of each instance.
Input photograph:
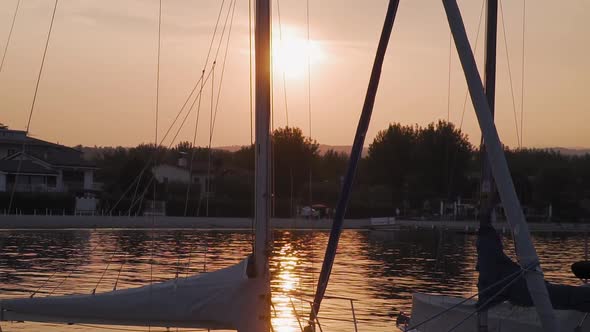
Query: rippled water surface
(379, 270)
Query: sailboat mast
(487, 180)
(355, 156)
(487, 192)
(525, 250)
(262, 37)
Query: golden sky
(99, 82)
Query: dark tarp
(495, 270)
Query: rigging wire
(522, 73)
(169, 145)
(476, 44)
(193, 148)
(18, 170)
(252, 235)
(509, 73)
(102, 327)
(223, 68)
(208, 179)
(282, 64)
(105, 271)
(188, 98)
(310, 193)
(9, 35)
(210, 75)
(272, 128)
(514, 276)
(250, 70)
(153, 205)
(123, 261)
(488, 301)
(199, 108)
(474, 51)
(158, 70)
(81, 260)
(213, 114)
(449, 78)
(149, 162)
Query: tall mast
(262, 36)
(487, 192)
(487, 180)
(525, 250)
(355, 156)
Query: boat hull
(504, 317)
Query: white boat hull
(503, 317)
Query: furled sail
(495, 271)
(224, 299)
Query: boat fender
(581, 269)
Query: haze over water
(379, 270)
(100, 70)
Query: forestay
(224, 299)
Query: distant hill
(323, 148)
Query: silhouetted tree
(391, 158)
(293, 155)
(443, 158)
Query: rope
(32, 104)
(105, 271)
(522, 73)
(101, 327)
(188, 264)
(54, 273)
(119, 273)
(9, 35)
(509, 73)
(69, 273)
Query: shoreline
(42, 222)
(28, 222)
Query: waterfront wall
(60, 222)
(56, 222)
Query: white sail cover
(224, 299)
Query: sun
(291, 52)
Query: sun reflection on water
(286, 280)
(379, 270)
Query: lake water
(379, 270)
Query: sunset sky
(99, 82)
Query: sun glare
(292, 52)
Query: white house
(32, 165)
(178, 174)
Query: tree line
(406, 169)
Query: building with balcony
(32, 165)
